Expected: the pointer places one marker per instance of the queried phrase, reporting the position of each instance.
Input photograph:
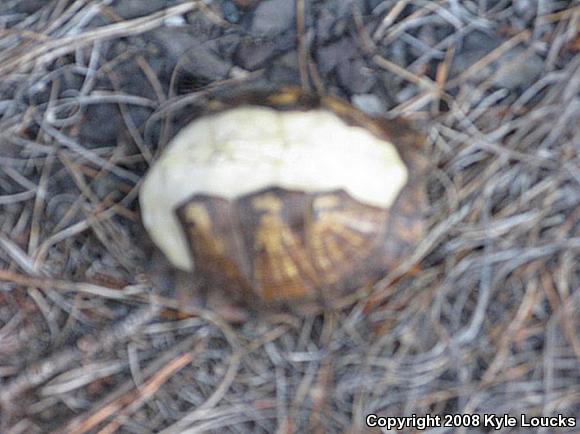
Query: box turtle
(287, 198)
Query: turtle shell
(287, 197)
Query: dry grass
(483, 318)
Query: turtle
(287, 198)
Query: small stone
(274, 16)
(518, 67)
(355, 76)
(369, 103)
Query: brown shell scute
(286, 246)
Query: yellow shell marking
(281, 257)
